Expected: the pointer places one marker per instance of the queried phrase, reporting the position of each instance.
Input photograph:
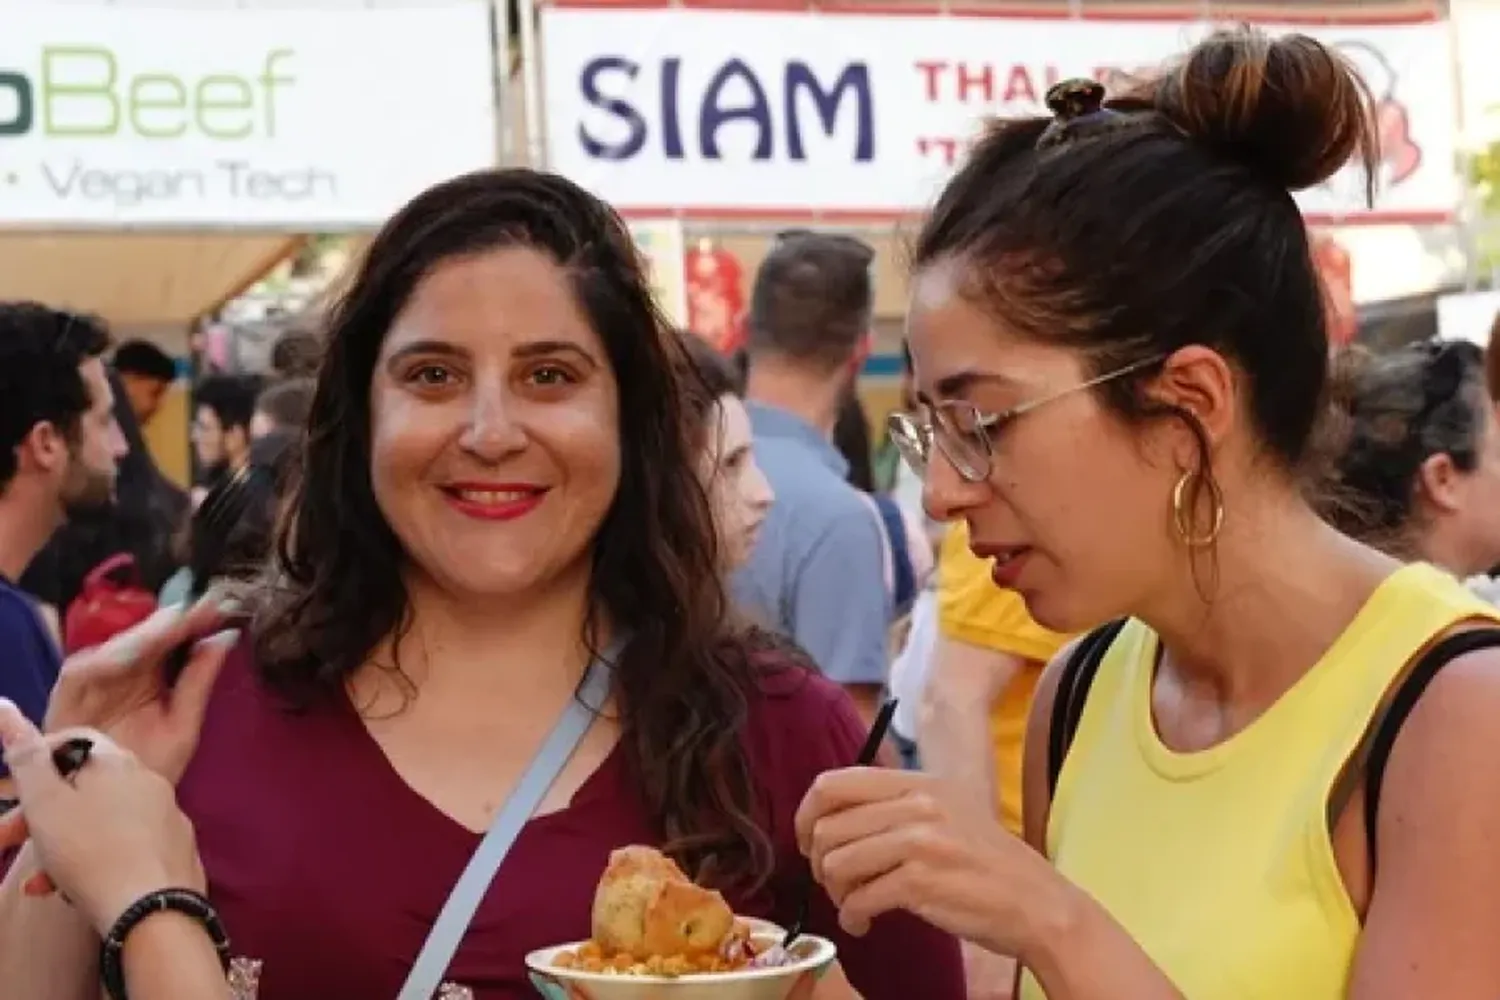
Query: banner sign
(303, 119)
(737, 112)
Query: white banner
(774, 113)
(304, 119)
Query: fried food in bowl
(645, 907)
(654, 932)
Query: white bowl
(814, 955)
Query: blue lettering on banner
(603, 80)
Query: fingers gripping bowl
(656, 934)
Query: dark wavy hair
(684, 680)
(1399, 410)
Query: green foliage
(1484, 179)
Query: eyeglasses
(965, 435)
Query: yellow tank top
(1219, 863)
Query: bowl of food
(657, 935)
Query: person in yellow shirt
(985, 664)
(1264, 780)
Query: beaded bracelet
(184, 901)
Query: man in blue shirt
(817, 572)
(59, 443)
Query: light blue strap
(463, 902)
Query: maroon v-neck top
(328, 869)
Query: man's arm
(840, 610)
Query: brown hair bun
(1289, 108)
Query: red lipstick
(494, 501)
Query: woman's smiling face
(495, 449)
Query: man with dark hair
(223, 406)
(59, 445)
(146, 371)
(817, 571)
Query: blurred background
(200, 173)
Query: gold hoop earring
(1182, 517)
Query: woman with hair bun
(1120, 353)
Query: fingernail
(227, 637)
(822, 970)
(230, 605)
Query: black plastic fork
(866, 756)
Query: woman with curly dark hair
(499, 518)
(1418, 470)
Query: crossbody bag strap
(463, 902)
(1402, 699)
(1072, 692)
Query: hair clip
(1073, 100)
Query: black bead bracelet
(184, 901)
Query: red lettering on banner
(930, 71)
(991, 83)
(981, 79)
(944, 148)
(1018, 86)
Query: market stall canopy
(138, 279)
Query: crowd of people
(1189, 621)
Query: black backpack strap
(1072, 692)
(1404, 696)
